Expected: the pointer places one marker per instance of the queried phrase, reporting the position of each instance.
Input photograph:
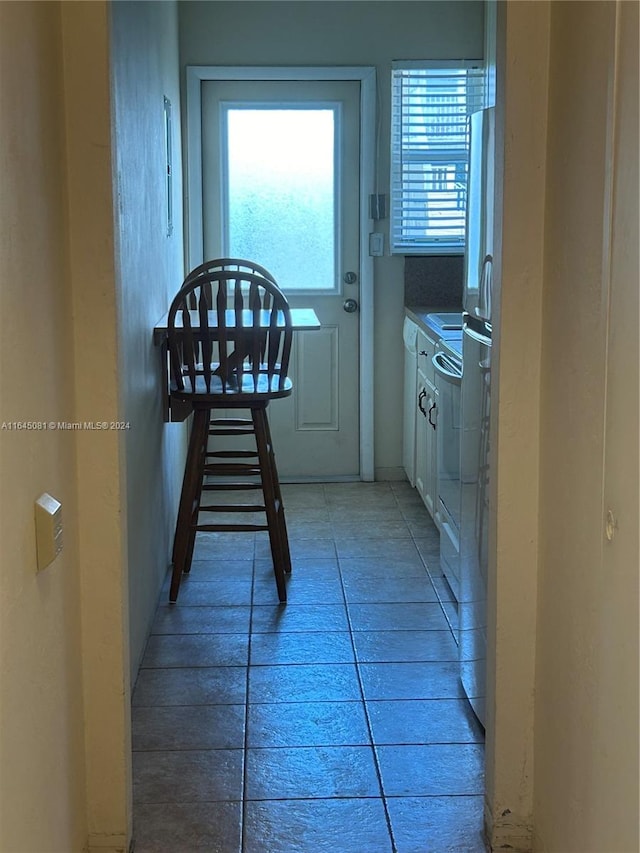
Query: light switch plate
(376, 244)
(48, 512)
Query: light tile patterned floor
(335, 723)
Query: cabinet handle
(424, 352)
(421, 397)
(431, 408)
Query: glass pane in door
(279, 181)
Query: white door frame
(366, 75)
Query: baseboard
(507, 832)
(109, 843)
(391, 474)
(313, 480)
(381, 475)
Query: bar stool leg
(203, 438)
(189, 500)
(183, 507)
(260, 423)
(282, 524)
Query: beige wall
(144, 56)
(62, 725)
(82, 353)
(587, 658)
(42, 805)
(100, 457)
(345, 33)
(521, 141)
(562, 739)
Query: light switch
(376, 244)
(48, 530)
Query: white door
(281, 186)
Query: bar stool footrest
(223, 469)
(231, 487)
(228, 528)
(232, 508)
(231, 454)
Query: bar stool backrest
(229, 334)
(236, 264)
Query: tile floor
(335, 723)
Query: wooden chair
(229, 341)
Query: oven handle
(446, 368)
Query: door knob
(350, 278)
(350, 305)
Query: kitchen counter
(418, 313)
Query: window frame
(409, 151)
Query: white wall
(144, 60)
(344, 33)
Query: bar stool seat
(229, 341)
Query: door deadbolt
(350, 305)
(350, 278)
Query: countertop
(418, 313)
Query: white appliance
(410, 337)
(447, 363)
(475, 412)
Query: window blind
(429, 153)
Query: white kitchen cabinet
(426, 470)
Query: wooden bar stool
(229, 340)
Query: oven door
(448, 377)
